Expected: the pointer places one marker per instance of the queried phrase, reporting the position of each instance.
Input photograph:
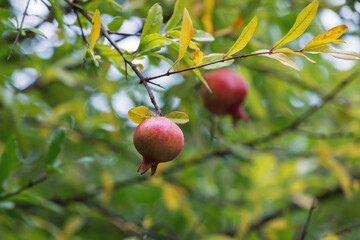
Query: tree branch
(204, 65)
(133, 66)
(325, 136)
(27, 186)
(19, 30)
(81, 27)
(313, 206)
(294, 124)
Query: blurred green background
(227, 183)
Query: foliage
(70, 95)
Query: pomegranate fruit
(157, 139)
(228, 93)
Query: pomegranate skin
(228, 93)
(157, 139)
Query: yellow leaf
(245, 223)
(198, 55)
(287, 50)
(172, 196)
(326, 159)
(95, 31)
(72, 225)
(330, 237)
(140, 67)
(186, 33)
(302, 21)
(139, 114)
(244, 38)
(328, 37)
(108, 187)
(280, 57)
(207, 17)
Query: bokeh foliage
(67, 118)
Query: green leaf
(178, 117)
(302, 21)
(56, 144)
(35, 30)
(115, 24)
(57, 13)
(176, 16)
(139, 114)
(244, 37)
(202, 36)
(152, 43)
(153, 21)
(215, 57)
(91, 53)
(115, 4)
(4, 14)
(8, 159)
(9, 25)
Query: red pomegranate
(228, 93)
(157, 139)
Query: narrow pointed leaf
(330, 36)
(8, 160)
(35, 30)
(153, 21)
(56, 144)
(186, 33)
(176, 16)
(207, 17)
(336, 52)
(244, 38)
(280, 57)
(302, 21)
(139, 114)
(57, 13)
(95, 31)
(287, 50)
(153, 42)
(198, 57)
(178, 117)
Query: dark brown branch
(306, 226)
(348, 229)
(327, 136)
(294, 124)
(27, 186)
(138, 179)
(124, 34)
(81, 27)
(19, 30)
(133, 66)
(292, 207)
(204, 65)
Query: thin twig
(348, 229)
(124, 34)
(204, 65)
(327, 136)
(81, 27)
(306, 226)
(143, 178)
(19, 30)
(295, 123)
(27, 186)
(133, 66)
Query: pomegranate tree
(228, 93)
(157, 139)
